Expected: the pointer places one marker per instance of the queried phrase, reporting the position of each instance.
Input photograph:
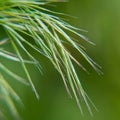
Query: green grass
(49, 35)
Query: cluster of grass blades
(49, 33)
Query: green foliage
(49, 34)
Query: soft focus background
(101, 18)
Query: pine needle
(30, 18)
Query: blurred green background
(101, 18)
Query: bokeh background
(101, 18)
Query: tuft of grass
(49, 33)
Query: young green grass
(49, 33)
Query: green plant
(48, 34)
